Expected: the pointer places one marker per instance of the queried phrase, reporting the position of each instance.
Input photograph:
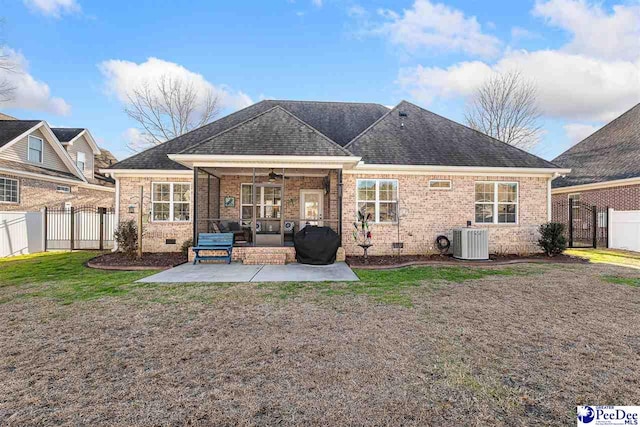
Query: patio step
(271, 259)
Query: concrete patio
(237, 272)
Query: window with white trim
(496, 202)
(379, 197)
(8, 190)
(81, 160)
(35, 150)
(63, 189)
(268, 202)
(171, 201)
(440, 184)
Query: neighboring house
(266, 171)
(605, 167)
(54, 167)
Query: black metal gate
(83, 227)
(586, 226)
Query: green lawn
(517, 345)
(62, 276)
(608, 256)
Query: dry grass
(517, 349)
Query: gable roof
(411, 135)
(66, 134)
(275, 132)
(11, 129)
(6, 117)
(29, 167)
(339, 121)
(611, 153)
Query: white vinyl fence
(21, 233)
(624, 230)
(51, 229)
(84, 227)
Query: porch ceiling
(244, 171)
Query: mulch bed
(149, 261)
(383, 262)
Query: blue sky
(78, 57)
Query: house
(605, 167)
(268, 170)
(53, 167)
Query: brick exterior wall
(155, 233)
(35, 194)
(427, 213)
(622, 198)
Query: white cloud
(436, 26)
(519, 33)
(570, 86)
(135, 140)
(317, 3)
(53, 8)
(596, 32)
(29, 93)
(576, 132)
(122, 77)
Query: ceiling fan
(275, 176)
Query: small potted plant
(362, 233)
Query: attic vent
(402, 114)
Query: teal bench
(214, 242)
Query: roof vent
(402, 114)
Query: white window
(496, 202)
(268, 202)
(8, 190)
(35, 149)
(378, 197)
(440, 184)
(63, 189)
(81, 161)
(171, 201)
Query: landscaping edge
(487, 263)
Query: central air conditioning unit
(471, 243)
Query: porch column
(334, 200)
(195, 206)
(253, 206)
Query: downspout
(195, 206)
(340, 205)
(549, 197)
(117, 214)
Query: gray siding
(18, 153)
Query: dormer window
(81, 161)
(35, 149)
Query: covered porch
(265, 206)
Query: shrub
(185, 247)
(552, 240)
(126, 235)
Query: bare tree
(167, 109)
(506, 108)
(7, 65)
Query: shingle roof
(421, 137)
(340, 121)
(276, 132)
(611, 153)
(26, 167)
(66, 134)
(11, 129)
